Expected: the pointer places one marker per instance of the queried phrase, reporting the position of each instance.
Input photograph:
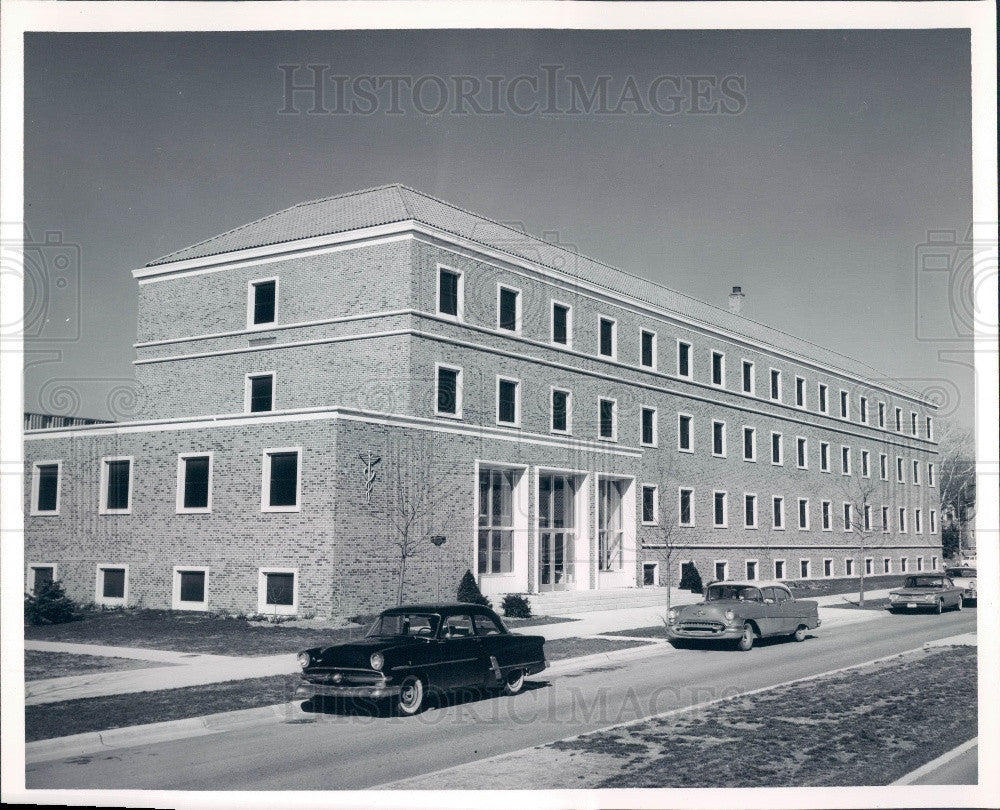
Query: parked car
(964, 577)
(411, 650)
(743, 612)
(926, 592)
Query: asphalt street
(338, 751)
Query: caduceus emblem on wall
(369, 460)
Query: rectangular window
(902, 520)
(112, 585)
(562, 324)
(190, 588)
(684, 433)
(849, 566)
(933, 522)
(508, 401)
(899, 420)
(913, 422)
(45, 488)
(801, 453)
(649, 438)
(845, 460)
(749, 444)
(278, 591)
(824, 456)
(194, 483)
(916, 473)
(608, 418)
(39, 576)
(449, 292)
(448, 401)
(777, 449)
(778, 512)
(866, 464)
(610, 525)
(608, 329)
(748, 380)
(918, 524)
(751, 570)
(887, 565)
(930, 427)
(920, 563)
(496, 521)
(282, 480)
(775, 384)
(885, 518)
(508, 308)
(825, 512)
(868, 517)
(561, 411)
(260, 393)
(828, 568)
(824, 405)
(685, 506)
(648, 352)
(263, 300)
(883, 466)
(803, 513)
(845, 404)
(719, 439)
(930, 474)
(804, 569)
(899, 469)
(116, 486)
(750, 511)
(903, 564)
(934, 563)
(881, 414)
(720, 517)
(721, 570)
(868, 566)
(847, 517)
(863, 405)
(718, 369)
(683, 359)
(649, 505)
(800, 392)
(650, 574)
(779, 569)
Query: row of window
(751, 569)
(853, 516)
(281, 486)
(450, 303)
(277, 588)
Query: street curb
(913, 776)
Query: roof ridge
(640, 278)
(346, 194)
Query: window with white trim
(847, 517)
(918, 523)
(562, 411)
(190, 591)
(648, 427)
(278, 591)
(647, 353)
(824, 404)
(40, 575)
(868, 566)
(259, 392)
(930, 427)
(825, 507)
(116, 485)
(899, 469)
(497, 507)
(775, 385)
(779, 569)
(45, 487)
(112, 585)
(282, 480)
(448, 397)
(824, 456)
(902, 520)
(804, 569)
(650, 510)
(262, 302)
(508, 401)
(777, 449)
(845, 404)
(608, 419)
(508, 308)
(863, 405)
(685, 434)
(801, 452)
(684, 360)
(685, 506)
(718, 369)
(827, 567)
(450, 292)
(885, 519)
(751, 566)
(933, 522)
(903, 565)
(899, 420)
(749, 510)
(867, 511)
(930, 474)
(720, 511)
(920, 563)
(883, 466)
(562, 324)
(887, 565)
(719, 439)
(194, 483)
(916, 473)
(881, 414)
(866, 464)
(721, 570)
(913, 423)
(748, 378)
(934, 563)
(804, 514)
(607, 337)
(778, 512)
(849, 566)
(800, 392)
(845, 460)
(749, 444)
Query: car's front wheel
(800, 633)
(939, 607)
(411, 696)
(746, 640)
(960, 604)
(514, 682)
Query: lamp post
(438, 540)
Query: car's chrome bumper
(727, 632)
(306, 690)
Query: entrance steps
(559, 603)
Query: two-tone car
(743, 612)
(414, 649)
(964, 577)
(934, 592)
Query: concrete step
(561, 602)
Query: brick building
(346, 375)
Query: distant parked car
(411, 650)
(964, 577)
(743, 612)
(926, 592)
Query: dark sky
(816, 197)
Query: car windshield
(423, 625)
(924, 582)
(744, 593)
(966, 573)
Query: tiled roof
(396, 203)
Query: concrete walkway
(195, 670)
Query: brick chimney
(736, 300)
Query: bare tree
(957, 476)
(666, 548)
(859, 497)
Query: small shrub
(516, 606)
(468, 591)
(691, 581)
(50, 605)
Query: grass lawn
(870, 604)
(517, 624)
(654, 631)
(560, 648)
(811, 588)
(39, 665)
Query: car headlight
(303, 659)
(672, 615)
(730, 615)
(377, 660)
(972, 585)
(893, 597)
(930, 597)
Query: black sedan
(411, 650)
